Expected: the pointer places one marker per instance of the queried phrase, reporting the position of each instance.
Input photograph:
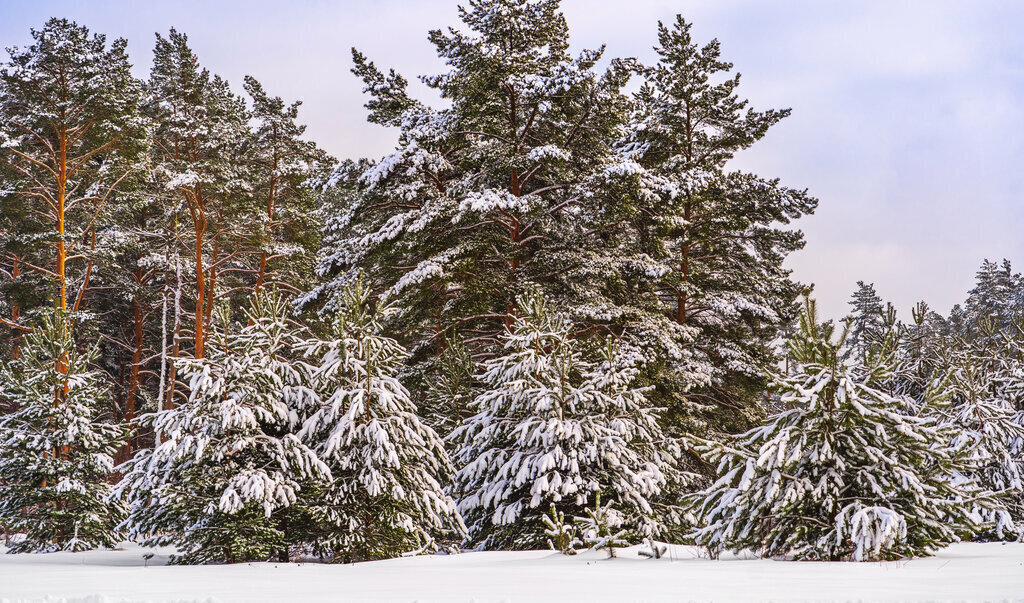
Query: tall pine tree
(70, 134)
(476, 203)
(696, 271)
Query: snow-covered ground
(963, 572)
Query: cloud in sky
(908, 116)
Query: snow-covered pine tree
(70, 133)
(201, 171)
(284, 166)
(692, 256)
(561, 533)
(56, 446)
(998, 294)
(921, 345)
(601, 527)
(1011, 388)
(386, 497)
(220, 483)
(551, 426)
(480, 196)
(124, 298)
(867, 322)
(839, 475)
(987, 426)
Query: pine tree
(1011, 387)
(542, 172)
(551, 427)
(692, 264)
(561, 533)
(920, 349)
(867, 320)
(199, 164)
(129, 264)
(220, 484)
(386, 497)
(841, 474)
(988, 428)
(477, 201)
(70, 134)
(601, 527)
(285, 165)
(56, 446)
(996, 295)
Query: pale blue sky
(908, 116)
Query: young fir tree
(551, 427)
(867, 322)
(56, 445)
(839, 475)
(227, 469)
(693, 258)
(988, 428)
(386, 496)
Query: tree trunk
(62, 177)
(212, 286)
(200, 316)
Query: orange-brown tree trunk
(212, 286)
(200, 315)
(62, 295)
(62, 177)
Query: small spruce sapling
(562, 536)
(602, 528)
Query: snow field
(962, 572)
